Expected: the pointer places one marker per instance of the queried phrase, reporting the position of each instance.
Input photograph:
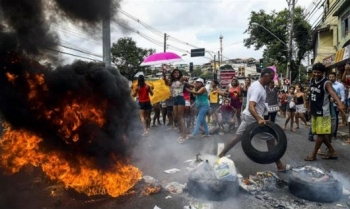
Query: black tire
(322, 191)
(270, 156)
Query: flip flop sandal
(330, 157)
(145, 134)
(292, 130)
(309, 158)
(319, 152)
(182, 140)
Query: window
(345, 20)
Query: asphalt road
(160, 151)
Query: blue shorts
(179, 100)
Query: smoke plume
(35, 97)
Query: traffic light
(261, 63)
(258, 69)
(215, 76)
(191, 66)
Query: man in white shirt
(254, 111)
(340, 91)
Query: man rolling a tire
(254, 112)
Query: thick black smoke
(25, 33)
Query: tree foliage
(128, 57)
(276, 50)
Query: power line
(55, 50)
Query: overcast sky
(199, 23)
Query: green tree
(128, 57)
(207, 76)
(196, 72)
(274, 49)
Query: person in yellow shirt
(214, 99)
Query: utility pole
(291, 4)
(106, 40)
(164, 42)
(214, 63)
(220, 58)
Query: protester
(156, 116)
(283, 103)
(290, 109)
(164, 111)
(272, 101)
(202, 104)
(247, 83)
(340, 91)
(177, 83)
(214, 99)
(346, 81)
(143, 90)
(321, 90)
(254, 111)
(234, 91)
(300, 105)
(227, 114)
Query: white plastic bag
(225, 169)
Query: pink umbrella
(161, 58)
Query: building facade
(332, 46)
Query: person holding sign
(272, 101)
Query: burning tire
(273, 154)
(324, 188)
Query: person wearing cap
(254, 112)
(202, 104)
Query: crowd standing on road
(192, 109)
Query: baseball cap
(200, 80)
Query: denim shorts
(179, 100)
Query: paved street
(160, 151)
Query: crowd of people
(191, 106)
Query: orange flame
(20, 147)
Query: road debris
(175, 187)
(151, 189)
(149, 179)
(172, 170)
(262, 181)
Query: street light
(256, 24)
(288, 46)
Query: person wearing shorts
(320, 92)
(143, 90)
(256, 98)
